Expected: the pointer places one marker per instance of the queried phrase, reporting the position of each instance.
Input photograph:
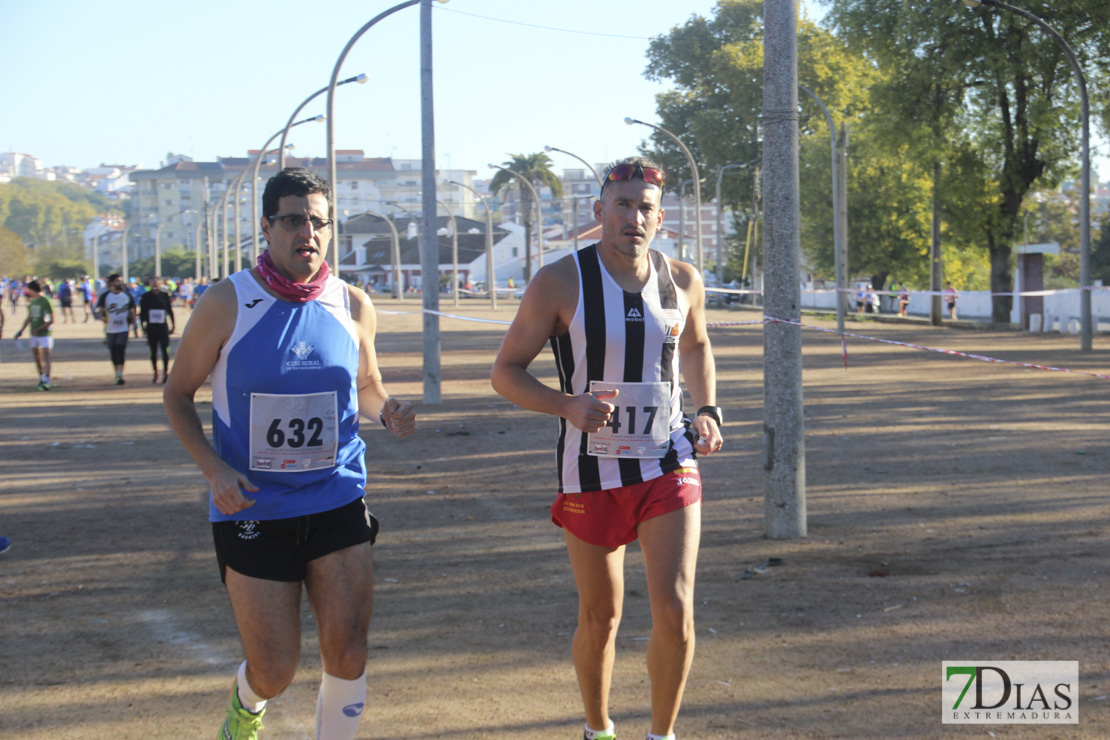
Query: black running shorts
(279, 549)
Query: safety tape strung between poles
(954, 353)
(843, 340)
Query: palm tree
(536, 168)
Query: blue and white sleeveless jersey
(629, 339)
(285, 402)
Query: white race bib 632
(291, 433)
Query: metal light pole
(238, 220)
(697, 185)
(574, 212)
(720, 218)
(838, 237)
(784, 503)
(332, 177)
(254, 177)
(411, 214)
(123, 248)
(681, 191)
(359, 78)
(454, 252)
(1086, 330)
(489, 244)
(429, 242)
(563, 151)
(539, 217)
(398, 293)
(222, 221)
(197, 223)
(158, 241)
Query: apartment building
(178, 195)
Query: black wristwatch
(713, 412)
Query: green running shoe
(239, 723)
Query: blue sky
(126, 82)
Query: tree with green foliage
(989, 97)
(50, 219)
(176, 262)
(15, 258)
(536, 168)
(717, 66)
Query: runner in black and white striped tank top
(622, 337)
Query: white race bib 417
(639, 425)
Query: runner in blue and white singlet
(269, 414)
(290, 353)
(622, 337)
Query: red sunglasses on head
(622, 172)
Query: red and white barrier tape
(954, 353)
(843, 339)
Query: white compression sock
(653, 736)
(339, 707)
(251, 701)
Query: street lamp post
(197, 223)
(720, 219)
(841, 278)
(681, 190)
(224, 242)
(398, 293)
(413, 220)
(123, 247)
(571, 154)
(332, 176)
(409, 212)
(489, 244)
(238, 220)
(539, 217)
(359, 78)
(158, 241)
(574, 212)
(1086, 330)
(697, 184)
(454, 253)
(254, 177)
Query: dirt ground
(979, 489)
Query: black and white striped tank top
(618, 336)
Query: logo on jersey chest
(634, 314)
(303, 350)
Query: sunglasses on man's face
(623, 172)
(296, 222)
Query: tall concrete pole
(429, 240)
(936, 266)
(842, 217)
(784, 506)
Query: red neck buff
(288, 290)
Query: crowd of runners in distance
(81, 293)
